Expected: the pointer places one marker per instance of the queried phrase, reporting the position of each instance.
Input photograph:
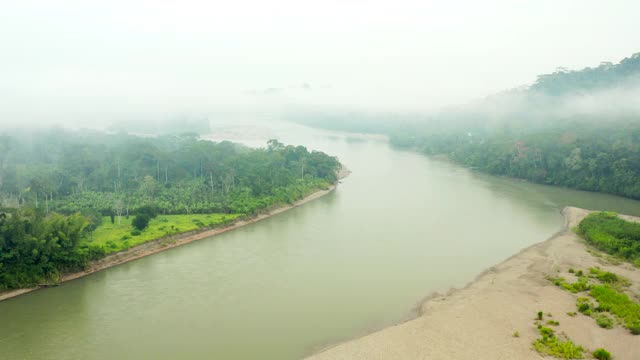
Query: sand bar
(478, 321)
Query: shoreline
(478, 320)
(158, 245)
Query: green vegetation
(553, 322)
(523, 133)
(67, 198)
(608, 296)
(618, 304)
(141, 221)
(540, 314)
(602, 354)
(516, 334)
(604, 321)
(572, 313)
(581, 285)
(114, 237)
(584, 305)
(613, 235)
(557, 346)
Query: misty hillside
(579, 129)
(604, 76)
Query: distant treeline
(179, 174)
(545, 133)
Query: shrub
(584, 305)
(602, 354)
(553, 322)
(546, 332)
(604, 321)
(135, 232)
(539, 315)
(141, 221)
(572, 313)
(516, 334)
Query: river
(399, 227)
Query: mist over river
(399, 227)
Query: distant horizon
(82, 63)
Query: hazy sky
(101, 60)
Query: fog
(78, 62)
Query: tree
(141, 221)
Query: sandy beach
(162, 244)
(478, 321)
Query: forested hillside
(545, 133)
(58, 189)
(579, 129)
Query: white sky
(113, 60)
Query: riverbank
(162, 244)
(479, 321)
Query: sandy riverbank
(156, 246)
(478, 321)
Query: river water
(398, 228)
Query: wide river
(399, 228)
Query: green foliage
(162, 226)
(553, 322)
(540, 315)
(618, 304)
(200, 183)
(572, 313)
(613, 235)
(581, 285)
(604, 321)
(120, 174)
(607, 277)
(602, 354)
(550, 344)
(141, 221)
(584, 305)
(35, 248)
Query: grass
(581, 285)
(602, 354)
(618, 304)
(117, 237)
(607, 277)
(553, 322)
(613, 235)
(609, 298)
(604, 321)
(557, 346)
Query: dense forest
(579, 129)
(58, 188)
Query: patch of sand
(478, 321)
